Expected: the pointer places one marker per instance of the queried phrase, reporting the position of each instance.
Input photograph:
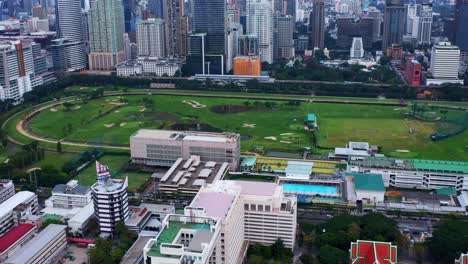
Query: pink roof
(216, 204)
(15, 234)
(257, 188)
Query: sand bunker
(285, 142)
(142, 110)
(271, 138)
(286, 134)
(76, 107)
(402, 150)
(53, 110)
(396, 109)
(122, 124)
(109, 125)
(116, 111)
(248, 125)
(194, 104)
(116, 103)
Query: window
(267, 208)
(253, 207)
(260, 207)
(246, 207)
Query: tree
(332, 255)
(59, 146)
(449, 240)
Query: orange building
(247, 65)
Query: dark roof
(79, 190)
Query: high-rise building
(110, 200)
(461, 20)
(425, 24)
(68, 19)
(413, 72)
(127, 47)
(445, 61)
(106, 28)
(357, 48)
(151, 38)
(7, 190)
(317, 25)
(412, 19)
(176, 28)
(248, 45)
(209, 16)
(234, 32)
(394, 23)
(68, 55)
(260, 24)
(366, 27)
(283, 37)
(247, 65)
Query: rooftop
(138, 213)
(371, 252)
(257, 188)
(35, 245)
(15, 234)
(441, 165)
(299, 167)
(83, 214)
(186, 135)
(65, 189)
(365, 181)
(7, 206)
(218, 209)
(311, 118)
(111, 185)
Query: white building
(43, 248)
(15, 239)
(367, 187)
(357, 48)
(164, 147)
(13, 82)
(151, 38)
(129, 68)
(15, 207)
(260, 24)
(79, 222)
(7, 190)
(70, 195)
(110, 202)
(425, 24)
(158, 67)
(419, 174)
(445, 62)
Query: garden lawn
(55, 159)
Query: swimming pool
(312, 189)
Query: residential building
(209, 16)
(43, 248)
(283, 37)
(365, 26)
(164, 147)
(372, 252)
(357, 48)
(317, 25)
(78, 224)
(185, 177)
(151, 38)
(15, 239)
(394, 23)
(110, 200)
(106, 29)
(176, 28)
(445, 61)
(413, 71)
(69, 20)
(68, 55)
(22, 203)
(416, 173)
(368, 187)
(7, 190)
(461, 20)
(71, 195)
(260, 24)
(247, 65)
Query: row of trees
(276, 253)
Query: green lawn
(54, 158)
(384, 126)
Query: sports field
(273, 125)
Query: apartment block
(14, 208)
(7, 190)
(164, 147)
(71, 195)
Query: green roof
(50, 217)
(367, 181)
(311, 118)
(447, 191)
(441, 165)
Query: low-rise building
(71, 195)
(163, 147)
(16, 238)
(129, 68)
(15, 207)
(186, 177)
(372, 252)
(368, 188)
(147, 218)
(43, 248)
(79, 222)
(160, 67)
(247, 65)
(354, 149)
(7, 190)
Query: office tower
(279, 7)
(127, 47)
(68, 55)
(283, 39)
(129, 15)
(106, 28)
(176, 28)
(110, 200)
(248, 45)
(68, 19)
(234, 32)
(209, 17)
(291, 9)
(357, 48)
(151, 38)
(366, 27)
(425, 24)
(461, 22)
(260, 24)
(158, 8)
(394, 23)
(317, 25)
(445, 61)
(412, 20)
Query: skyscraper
(209, 17)
(151, 38)
(366, 26)
(317, 25)
(445, 61)
(68, 19)
(283, 41)
(106, 28)
(357, 48)
(461, 22)
(425, 24)
(394, 23)
(260, 24)
(176, 28)
(68, 55)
